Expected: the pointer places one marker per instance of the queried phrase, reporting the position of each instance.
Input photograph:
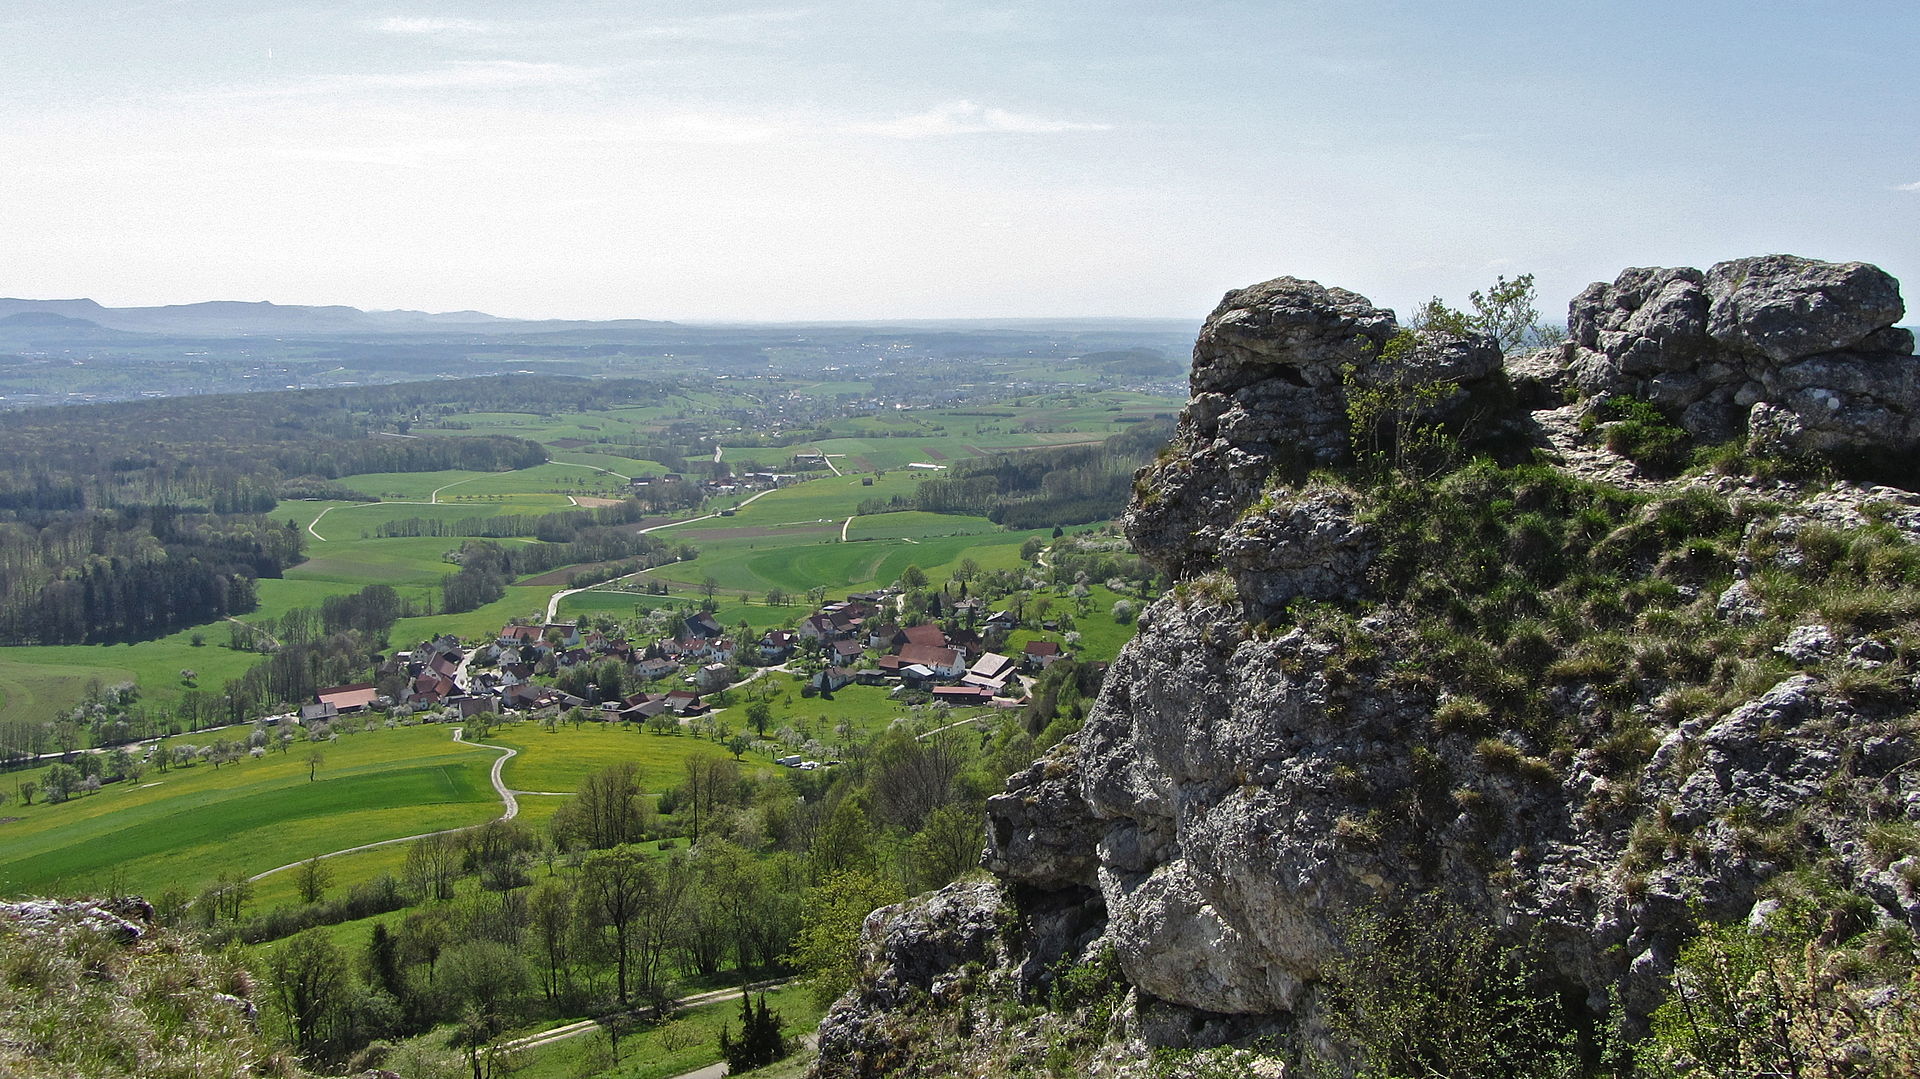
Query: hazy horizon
(857, 162)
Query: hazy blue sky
(927, 159)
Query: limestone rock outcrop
(1798, 354)
(1272, 371)
(1248, 775)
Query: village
(531, 669)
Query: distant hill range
(234, 318)
(77, 320)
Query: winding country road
(506, 797)
(553, 604)
(433, 499)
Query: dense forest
(126, 574)
(125, 521)
(1037, 488)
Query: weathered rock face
(1800, 355)
(1308, 544)
(1272, 370)
(1237, 787)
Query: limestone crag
(1799, 354)
(1248, 775)
(1272, 371)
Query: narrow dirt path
(434, 498)
(844, 525)
(583, 1026)
(316, 520)
(506, 797)
(499, 787)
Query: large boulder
(1795, 354)
(1785, 307)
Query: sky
(722, 161)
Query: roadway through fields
(553, 604)
(507, 798)
(433, 499)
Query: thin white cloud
(1915, 186)
(425, 26)
(970, 118)
(960, 119)
(480, 75)
(407, 154)
(724, 26)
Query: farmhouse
(649, 670)
(357, 697)
(944, 662)
(990, 671)
(1041, 654)
(832, 679)
(926, 634)
(713, 676)
(512, 636)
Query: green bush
(1787, 998)
(1428, 990)
(1645, 436)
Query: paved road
(553, 604)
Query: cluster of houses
(954, 666)
(738, 483)
(857, 638)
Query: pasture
(35, 691)
(407, 486)
(615, 602)
(561, 759)
(751, 568)
(187, 826)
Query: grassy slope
(184, 827)
(560, 760)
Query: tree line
(125, 574)
(486, 568)
(562, 527)
(1039, 488)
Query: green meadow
(186, 826)
(750, 568)
(407, 486)
(561, 759)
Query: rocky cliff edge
(1315, 721)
